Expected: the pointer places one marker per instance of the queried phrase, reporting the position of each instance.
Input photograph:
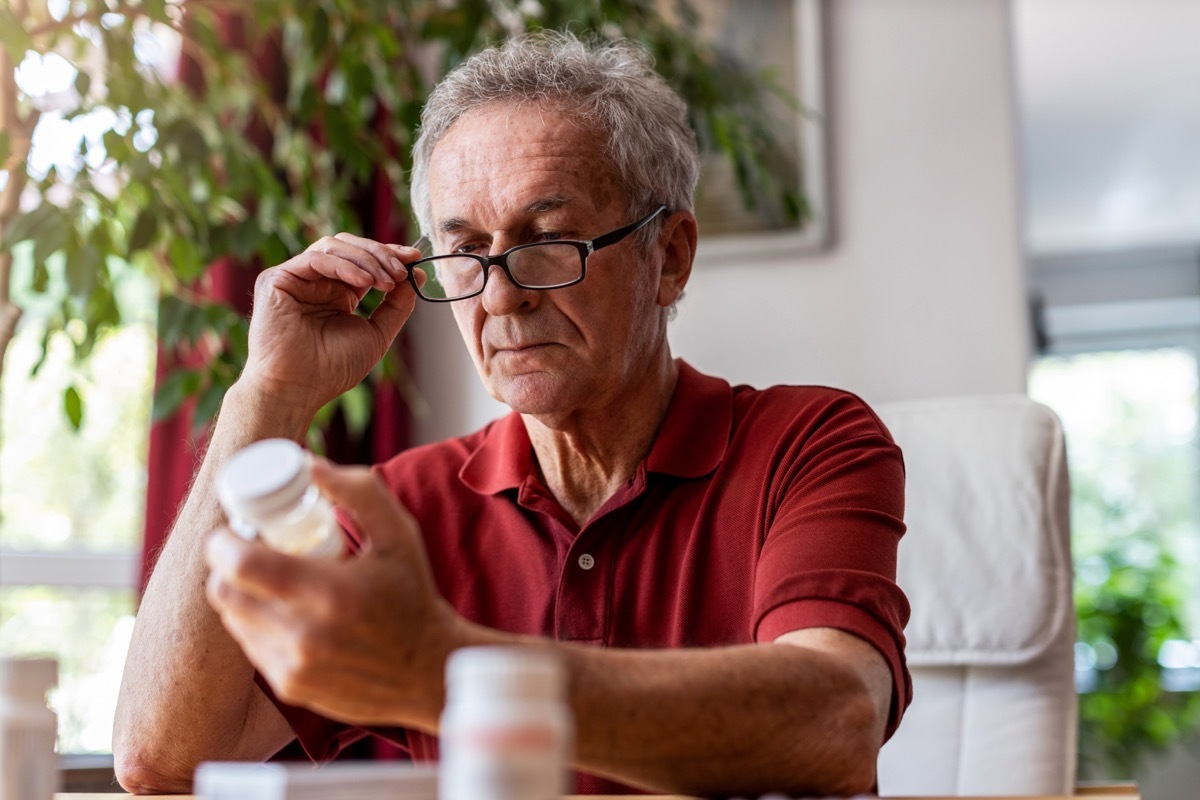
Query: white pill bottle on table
(267, 492)
(506, 731)
(28, 729)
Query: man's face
(507, 175)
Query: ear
(679, 239)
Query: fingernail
(397, 264)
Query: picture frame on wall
(784, 38)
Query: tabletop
(1104, 793)
(1123, 791)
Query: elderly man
(713, 564)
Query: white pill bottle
(267, 492)
(28, 729)
(506, 731)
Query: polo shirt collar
(690, 444)
(695, 434)
(502, 460)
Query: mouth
(523, 348)
(532, 355)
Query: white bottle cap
(263, 479)
(28, 677)
(519, 673)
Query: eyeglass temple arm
(612, 237)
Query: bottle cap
(263, 479)
(517, 673)
(31, 677)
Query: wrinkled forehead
(522, 145)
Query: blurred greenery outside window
(1130, 418)
(71, 512)
(72, 475)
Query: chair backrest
(986, 566)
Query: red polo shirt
(755, 513)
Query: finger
(255, 569)
(310, 266)
(376, 265)
(257, 626)
(366, 499)
(235, 607)
(406, 253)
(387, 258)
(297, 282)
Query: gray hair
(610, 85)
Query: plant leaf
(83, 82)
(185, 258)
(175, 388)
(13, 36)
(28, 226)
(73, 406)
(144, 229)
(206, 406)
(156, 10)
(356, 409)
(83, 268)
(52, 236)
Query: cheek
(469, 319)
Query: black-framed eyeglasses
(540, 265)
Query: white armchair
(986, 566)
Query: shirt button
(586, 561)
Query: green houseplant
(1130, 600)
(1129, 418)
(275, 148)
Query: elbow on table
(140, 770)
(847, 765)
(863, 739)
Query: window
(72, 501)
(71, 509)
(1131, 422)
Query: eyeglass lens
(538, 266)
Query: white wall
(922, 292)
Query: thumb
(393, 311)
(384, 524)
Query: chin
(535, 393)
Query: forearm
(744, 720)
(187, 693)
(734, 720)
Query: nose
(502, 297)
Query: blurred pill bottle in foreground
(506, 731)
(267, 492)
(28, 729)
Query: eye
(467, 248)
(549, 236)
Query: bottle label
(519, 764)
(28, 763)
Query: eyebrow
(551, 203)
(541, 205)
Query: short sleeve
(829, 554)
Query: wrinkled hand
(363, 639)
(307, 346)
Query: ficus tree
(296, 107)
